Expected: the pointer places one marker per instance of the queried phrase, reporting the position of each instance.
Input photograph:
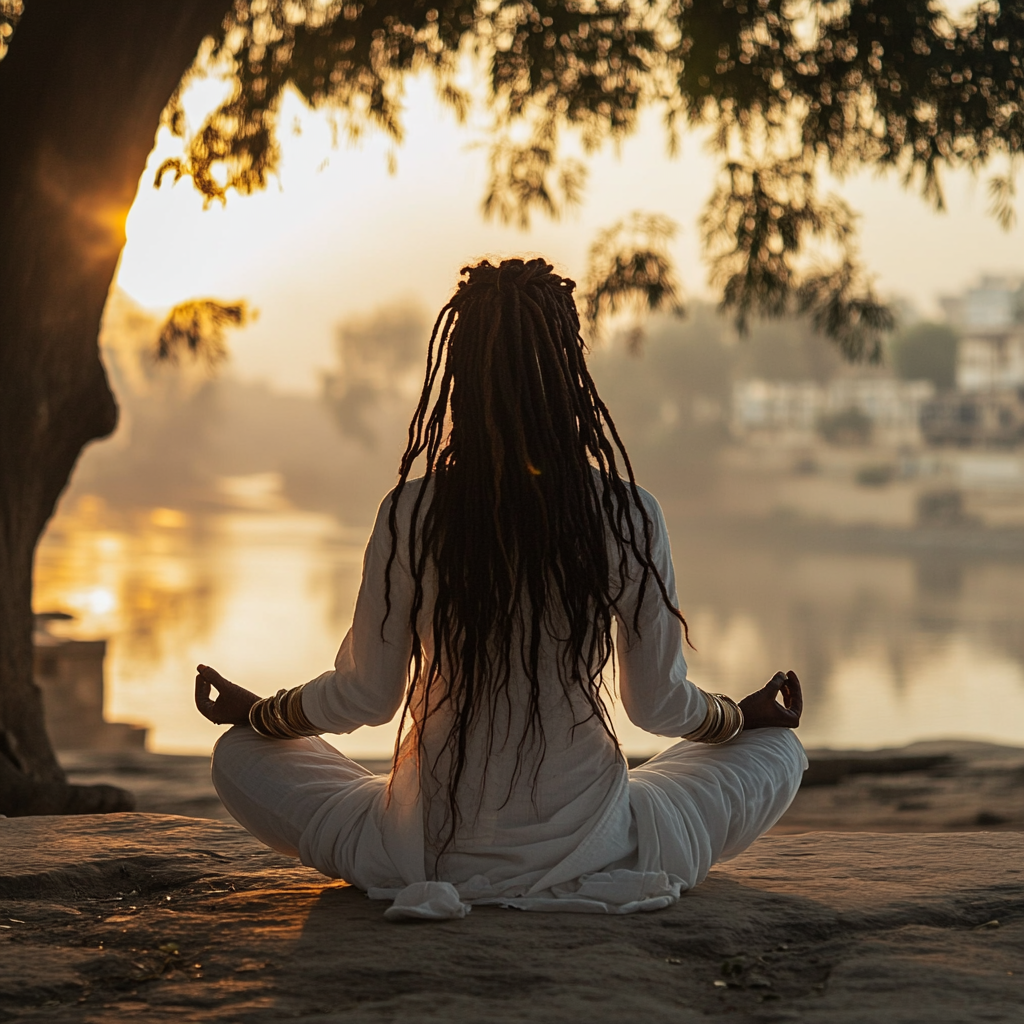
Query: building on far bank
(991, 360)
(990, 317)
(984, 409)
(987, 407)
(776, 405)
(975, 418)
(798, 408)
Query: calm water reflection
(892, 648)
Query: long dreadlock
(524, 490)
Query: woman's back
(496, 589)
(515, 553)
(530, 790)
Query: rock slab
(151, 918)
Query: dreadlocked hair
(520, 492)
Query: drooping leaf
(629, 268)
(197, 328)
(786, 90)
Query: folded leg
(696, 804)
(276, 788)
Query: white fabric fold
(423, 901)
(620, 891)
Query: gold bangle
(296, 716)
(732, 724)
(263, 720)
(722, 723)
(281, 717)
(711, 719)
(256, 717)
(694, 735)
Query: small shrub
(875, 476)
(848, 427)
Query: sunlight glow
(97, 601)
(168, 518)
(335, 235)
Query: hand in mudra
(761, 709)
(233, 701)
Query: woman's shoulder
(403, 497)
(652, 509)
(648, 502)
(641, 504)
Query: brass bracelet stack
(723, 722)
(281, 717)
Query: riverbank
(152, 918)
(936, 786)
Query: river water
(891, 647)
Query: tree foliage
(10, 12)
(630, 269)
(197, 327)
(926, 351)
(756, 226)
(380, 358)
(786, 88)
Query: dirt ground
(152, 918)
(869, 916)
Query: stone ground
(151, 918)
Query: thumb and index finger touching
(788, 685)
(206, 678)
(211, 677)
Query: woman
(499, 591)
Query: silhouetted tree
(672, 406)
(786, 88)
(81, 92)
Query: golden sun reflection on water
(265, 595)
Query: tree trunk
(81, 93)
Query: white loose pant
(686, 809)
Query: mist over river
(892, 647)
(224, 522)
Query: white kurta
(573, 830)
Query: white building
(776, 405)
(990, 355)
(797, 407)
(890, 404)
(991, 360)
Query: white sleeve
(653, 686)
(370, 675)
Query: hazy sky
(337, 236)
